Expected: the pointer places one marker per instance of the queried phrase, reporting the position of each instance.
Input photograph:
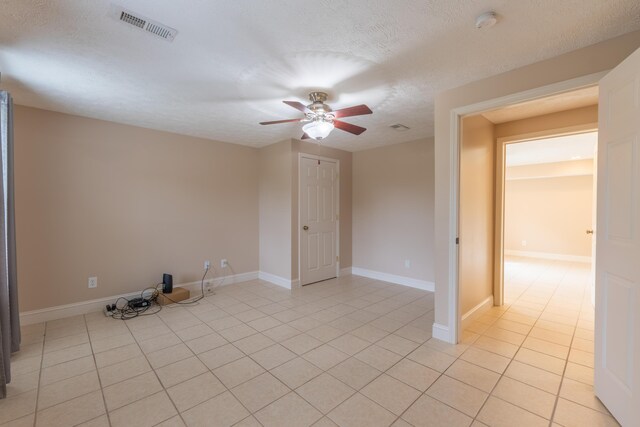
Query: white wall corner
(90, 306)
(276, 280)
(392, 278)
(442, 333)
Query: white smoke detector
(486, 20)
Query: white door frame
(500, 176)
(456, 116)
(326, 159)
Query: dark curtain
(9, 315)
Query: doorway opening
(527, 179)
(548, 219)
(615, 327)
(508, 158)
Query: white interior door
(617, 327)
(318, 219)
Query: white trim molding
(476, 312)
(548, 255)
(277, 280)
(211, 284)
(441, 332)
(90, 306)
(68, 310)
(392, 278)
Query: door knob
(589, 231)
(305, 228)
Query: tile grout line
(350, 356)
(44, 337)
(158, 318)
(93, 356)
(519, 347)
(350, 331)
(566, 361)
(327, 371)
(379, 315)
(227, 389)
(251, 413)
(566, 364)
(511, 359)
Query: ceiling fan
(320, 119)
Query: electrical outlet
(407, 263)
(207, 265)
(524, 243)
(93, 282)
(224, 263)
(208, 286)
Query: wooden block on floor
(178, 294)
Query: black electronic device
(167, 283)
(139, 303)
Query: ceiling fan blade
(357, 110)
(298, 106)
(305, 136)
(280, 121)
(348, 127)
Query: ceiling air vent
(399, 127)
(142, 22)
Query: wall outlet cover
(93, 282)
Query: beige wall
(596, 58)
(551, 213)
(276, 183)
(126, 204)
(477, 205)
(393, 209)
(563, 119)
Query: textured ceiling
(233, 62)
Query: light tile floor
(348, 352)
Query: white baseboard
(345, 271)
(548, 255)
(90, 306)
(194, 287)
(441, 333)
(476, 312)
(68, 310)
(277, 280)
(392, 278)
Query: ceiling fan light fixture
(320, 119)
(318, 129)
